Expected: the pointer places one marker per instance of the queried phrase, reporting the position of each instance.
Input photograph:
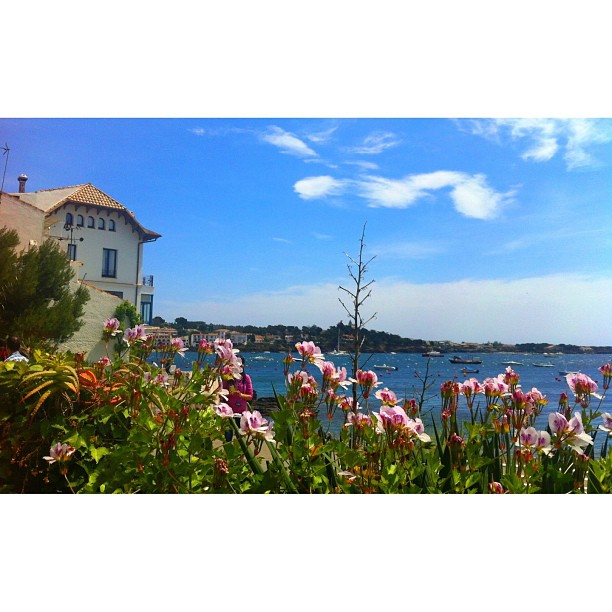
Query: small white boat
(543, 365)
(384, 366)
(432, 354)
(512, 363)
(566, 372)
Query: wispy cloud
(555, 308)
(198, 131)
(363, 165)
(283, 240)
(470, 193)
(545, 138)
(318, 236)
(322, 136)
(376, 143)
(287, 142)
(314, 187)
(405, 250)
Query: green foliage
(129, 428)
(127, 310)
(36, 301)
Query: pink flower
(582, 387)
(252, 423)
(387, 397)
(104, 361)
(111, 326)
(358, 420)
(310, 353)
(333, 378)
(607, 423)
(470, 387)
(135, 334)
(60, 453)
(224, 411)
(569, 432)
(177, 346)
(606, 370)
(367, 381)
(205, 347)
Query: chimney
(22, 178)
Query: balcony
(147, 281)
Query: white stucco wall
(88, 339)
(26, 220)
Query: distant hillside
(283, 338)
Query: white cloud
(376, 143)
(547, 137)
(317, 187)
(474, 198)
(470, 194)
(287, 142)
(283, 240)
(557, 308)
(321, 137)
(198, 131)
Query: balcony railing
(147, 281)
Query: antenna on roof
(6, 152)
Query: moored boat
(384, 366)
(457, 359)
(432, 354)
(512, 363)
(543, 365)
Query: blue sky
(480, 229)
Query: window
(111, 225)
(118, 294)
(146, 309)
(109, 263)
(72, 252)
(91, 222)
(100, 223)
(80, 221)
(69, 219)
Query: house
(99, 233)
(27, 220)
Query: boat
(457, 359)
(337, 350)
(512, 363)
(469, 371)
(384, 366)
(432, 354)
(543, 365)
(566, 372)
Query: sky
(261, 149)
(477, 229)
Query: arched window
(111, 225)
(80, 221)
(69, 219)
(91, 222)
(100, 223)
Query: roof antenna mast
(6, 152)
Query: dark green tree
(36, 300)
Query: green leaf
(98, 453)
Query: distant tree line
(339, 336)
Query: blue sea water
(266, 371)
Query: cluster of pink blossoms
(367, 380)
(310, 353)
(582, 387)
(227, 361)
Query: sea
(266, 371)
